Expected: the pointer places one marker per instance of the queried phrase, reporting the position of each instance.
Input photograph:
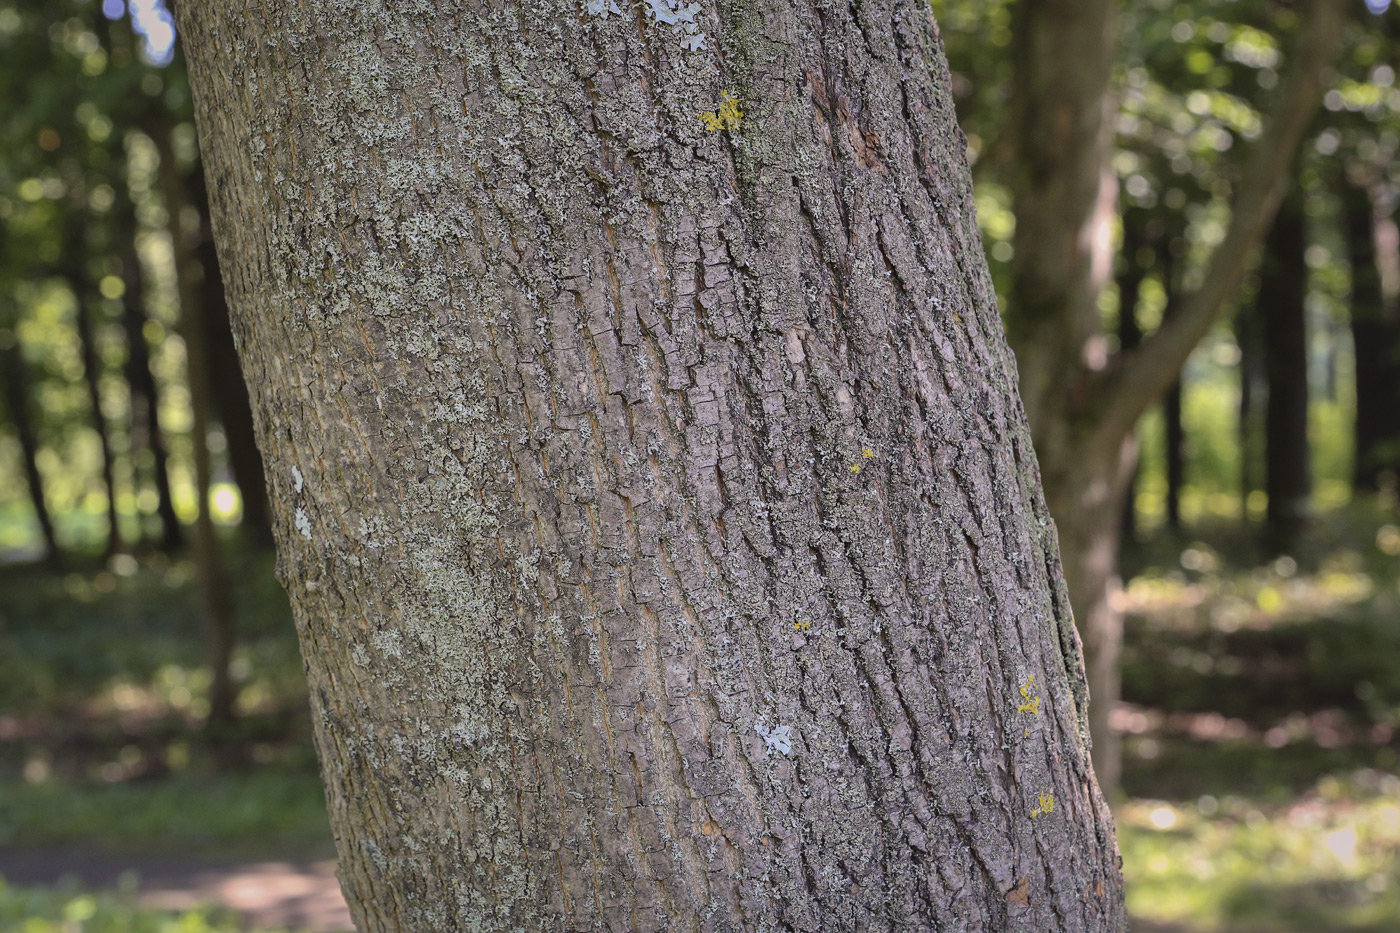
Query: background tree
(662, 527)
(1083, 400)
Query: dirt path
(298, 895)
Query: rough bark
(1375, 330)
(1282, 289)
(662, 526)
(1084, 405)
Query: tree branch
(1138, 377)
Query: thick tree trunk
(662, 526)
(1282, 290)
(1066, 195)
(1375, 329)
(1083, 405)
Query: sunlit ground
(1262, 700)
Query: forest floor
(1260, 714)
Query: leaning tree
(661, 520)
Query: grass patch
(241, 814)
(1325, 861)
(68, 909)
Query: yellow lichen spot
(1047, 805)
(867, 453)
(1032, 704)
(855, 467)
(802, 626)
(728, 117)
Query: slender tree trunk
(1282, 290)
(15, 378)
(145, 399)
(215, 586)
(235, 408)
(1132, 273)
(1251, 378)
(81, 286)
(1375, 329)
(1174, 447)
(662, 526)
(1174, 432)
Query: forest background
(151, 698)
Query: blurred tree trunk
(1252, 384)
(1173, 431)
(75, 272)
(1132, 272)
(662, 526)
(1083, 405)
(145, 398)
(193, 329)
(1282, 290)
(1375, 329)
(235, 408)
(15, 380)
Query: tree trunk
(145, 399)
(220, 617)
(235, 408)
(662, 526)
(1375, 330)
(79, 283)
(1084, 405)
(1131, 274)
(1282, 290)
(15, 378)
(1251, 383)
(1174, 432)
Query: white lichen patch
(776, 739)
(297, 481)
(680, 16)
(602, 8)
(303, 523)
(388, 643)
